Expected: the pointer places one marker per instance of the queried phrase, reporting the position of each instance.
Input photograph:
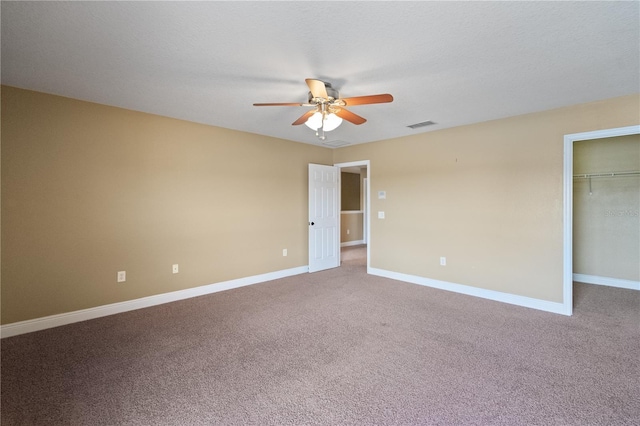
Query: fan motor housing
(331, 92)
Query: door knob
(311, 223)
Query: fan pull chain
(320, 134)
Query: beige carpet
(337, 347)
(354, 255)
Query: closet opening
(601, 210)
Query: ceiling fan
(329, 111)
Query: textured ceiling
(454, 63)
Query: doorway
(568, 199)
(364, 168)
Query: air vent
(336, 144)
(423, 124)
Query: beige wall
(606, 222)
(350, 191)
(88, 190)
(351, 218)
(350, 221)
(488, 196)
(351, 227)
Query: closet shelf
(607, 174)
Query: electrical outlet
(443, 261)
(122, 276)
(380, 215)
(284, 252)
(175, 268)
(348, 231)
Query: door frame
(367, 213)
(567, 243)
(365, 219)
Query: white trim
(51, 321)
(353, 164)
(567, 227)
(365, 227)
(351, 212)
(567, 220)
(352, 243)
(527, 302)
(610, 282)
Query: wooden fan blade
(317, 88)
(349, 116)
(280, 104)
(303, 118)
(371, 99)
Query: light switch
(382, 195)
(380, 215)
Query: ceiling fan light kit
(328, 123)
(329, 110)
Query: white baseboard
(352, 243)
(611, 282)
(527, 302)
(51, 321)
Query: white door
(324, 250)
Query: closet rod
(610, 174)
